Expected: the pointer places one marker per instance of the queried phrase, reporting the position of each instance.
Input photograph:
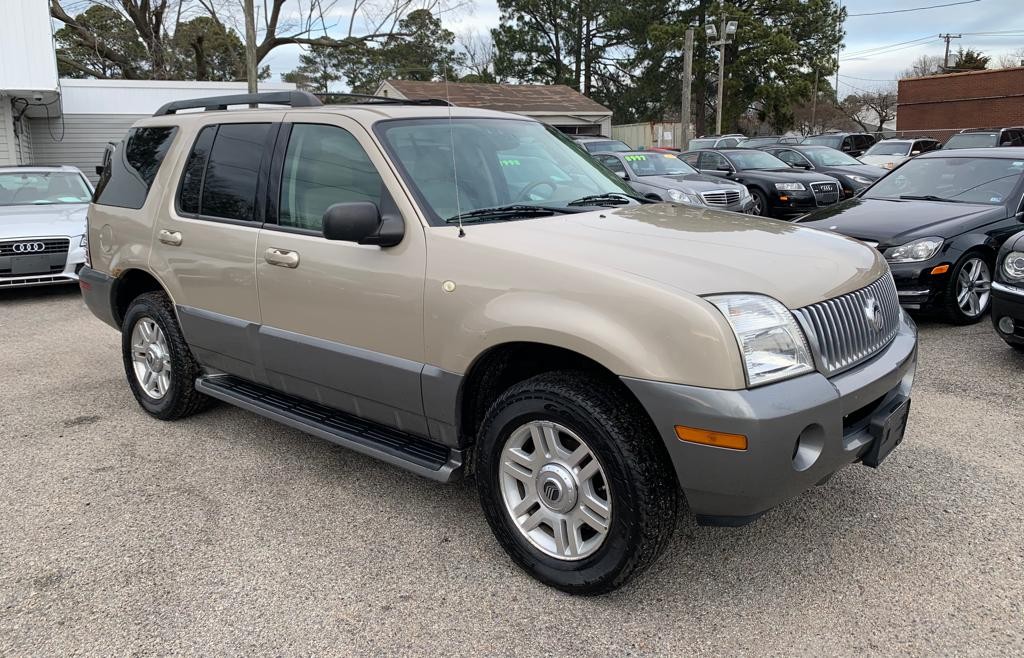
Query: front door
(342, 323)
(205, 241)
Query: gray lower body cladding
(799, 431)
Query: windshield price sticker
(635, 158)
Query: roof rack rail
(289, 98)
(387, 100)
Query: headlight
(744, 193)
(685, 198)
(1013, 266)
(860, 179)
(792, 187)
(84, 242)
(772, 344)
(914, 252)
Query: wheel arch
(130, 284)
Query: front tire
(968, 292)
(160, 367)
(575, 482)
(760, 203)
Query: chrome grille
(50, 246)
(721, 197)
(841, 331)
(825, 193)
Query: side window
(221, 174)
(690, 159)
(612, 163)
(847, 144)
(229, 187)
(324, 165)
(712, 161)
(129, 172)
(728, 143)
(789, 157)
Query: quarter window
(324, 165)
(129, 172)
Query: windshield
(702, 144)
(824, 140)
(971, 140)
(972, 180)
(756, 160)
(657, 164)
(889, 148)
(42, 188)
(611, 145)
(830, 158)
(497, 162)
(755, 142)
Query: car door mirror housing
(726, 168)
(361, 222)
(622, 175)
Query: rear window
(612, 145)
(129, 173)
(824, 140)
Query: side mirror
(622, 175)
(726, 168)
(913, 153)
(361, 222)
(99, 170)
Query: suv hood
(691, 182)
(892, 222)
(38, 221)
(696, 251)
(881, 160)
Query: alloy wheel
(973, 287)
(151, 358)
(555, 490)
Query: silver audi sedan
(42, 225)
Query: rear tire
(159, 365)
(623, 492)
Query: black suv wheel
(575, 482)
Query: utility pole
(728, 29)
(250, 44)
(945, 59)
(684, 110)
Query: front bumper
(799, 431)
(796, 202)
(73, 263)
(917, 287)
(1008, 302)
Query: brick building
(940, 105)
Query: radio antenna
(451, 144)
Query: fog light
(1006, 324)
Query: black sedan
(1008, 293)
(851, 172)
(939, 219)
(778, 189)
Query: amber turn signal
(783, 198)
(940, 269)
(709, 438)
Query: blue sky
(867, 34)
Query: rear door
(205, 242)
(342, 323)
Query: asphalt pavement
(226, 533)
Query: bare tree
(1010, 60)
(479, 54)
(871, 110)
(922, 66)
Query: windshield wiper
(501, 212)
(614, 198)
(928, 197)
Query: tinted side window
(789, 157)
(192, 175)
(229, 186)
(132, 167)
(324, 165)
(690, 159)
(713, 161)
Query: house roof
(503, 97)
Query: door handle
(281, 257)
(172, 238)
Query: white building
(49, 121)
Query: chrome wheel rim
(151, 358)
(974, 283)
(757, 205)
(555, 490)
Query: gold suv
(451, 289)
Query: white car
(42, 225)
(890, 152)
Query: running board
(393, 446)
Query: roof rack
(289, 98)
(387, 100)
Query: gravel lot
(227, 533)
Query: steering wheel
(525, 194)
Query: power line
(899, 43)
(851, 77)
(903, 11)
